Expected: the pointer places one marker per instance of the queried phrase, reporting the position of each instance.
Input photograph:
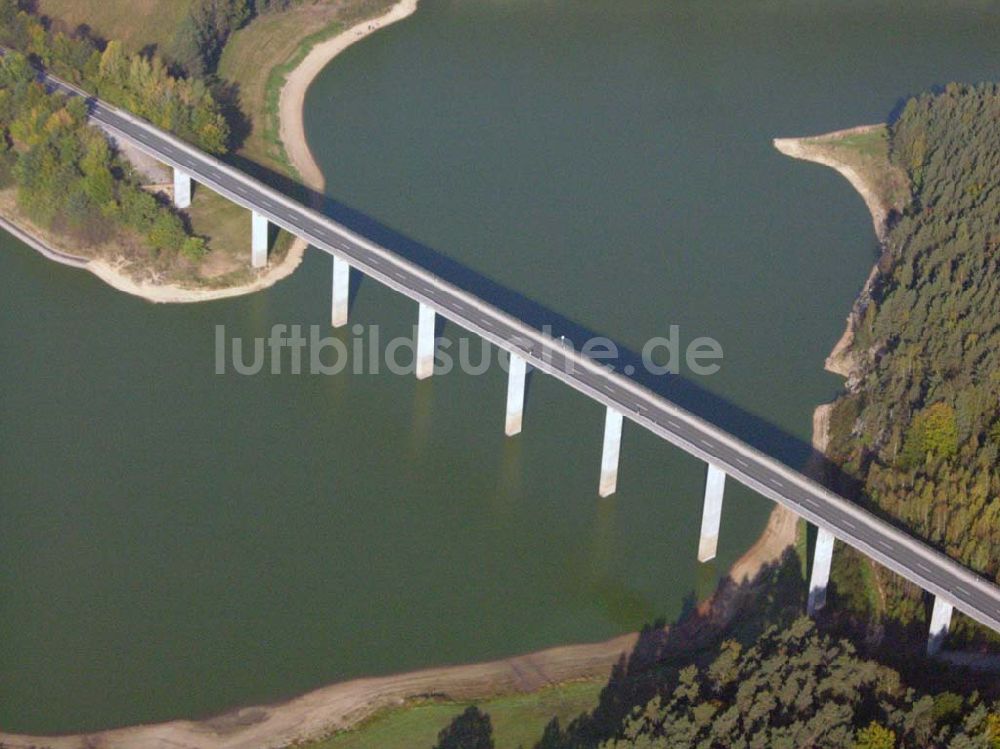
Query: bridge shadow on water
(749, 427)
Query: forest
(792, 687)
(142, 84)
(918, 431)
(795, 687)
(66, 175)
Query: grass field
(138, 23)
(226, 226)
(518, 720)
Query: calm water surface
(174, 543)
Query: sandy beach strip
(291, 103)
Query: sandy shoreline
(343, 705)
(800, 148)
(291, 103)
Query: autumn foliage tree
(67, 176)
(143, 85)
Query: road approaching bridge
(951, 584)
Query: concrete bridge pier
(711, 517)
(258, 244)
(940, 624)
(425, 342)
(515, 394)
(182, 189)
(820, 578)
(340, 296)
(612, 447)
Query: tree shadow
(227, 94)
(471, 729)
(740, 611)
(902, 646)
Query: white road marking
(742, 462)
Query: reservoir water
(174, 542)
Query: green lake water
(176, 543)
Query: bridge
(952, 585)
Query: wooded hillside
(921, 425)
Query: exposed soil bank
(807, 150)
(840, 360)
(112, 272)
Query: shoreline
(111, 273)
(344, 705)
(292, 135)
(291, 102)
(56, 256)
(840, 359)
(800, 148)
